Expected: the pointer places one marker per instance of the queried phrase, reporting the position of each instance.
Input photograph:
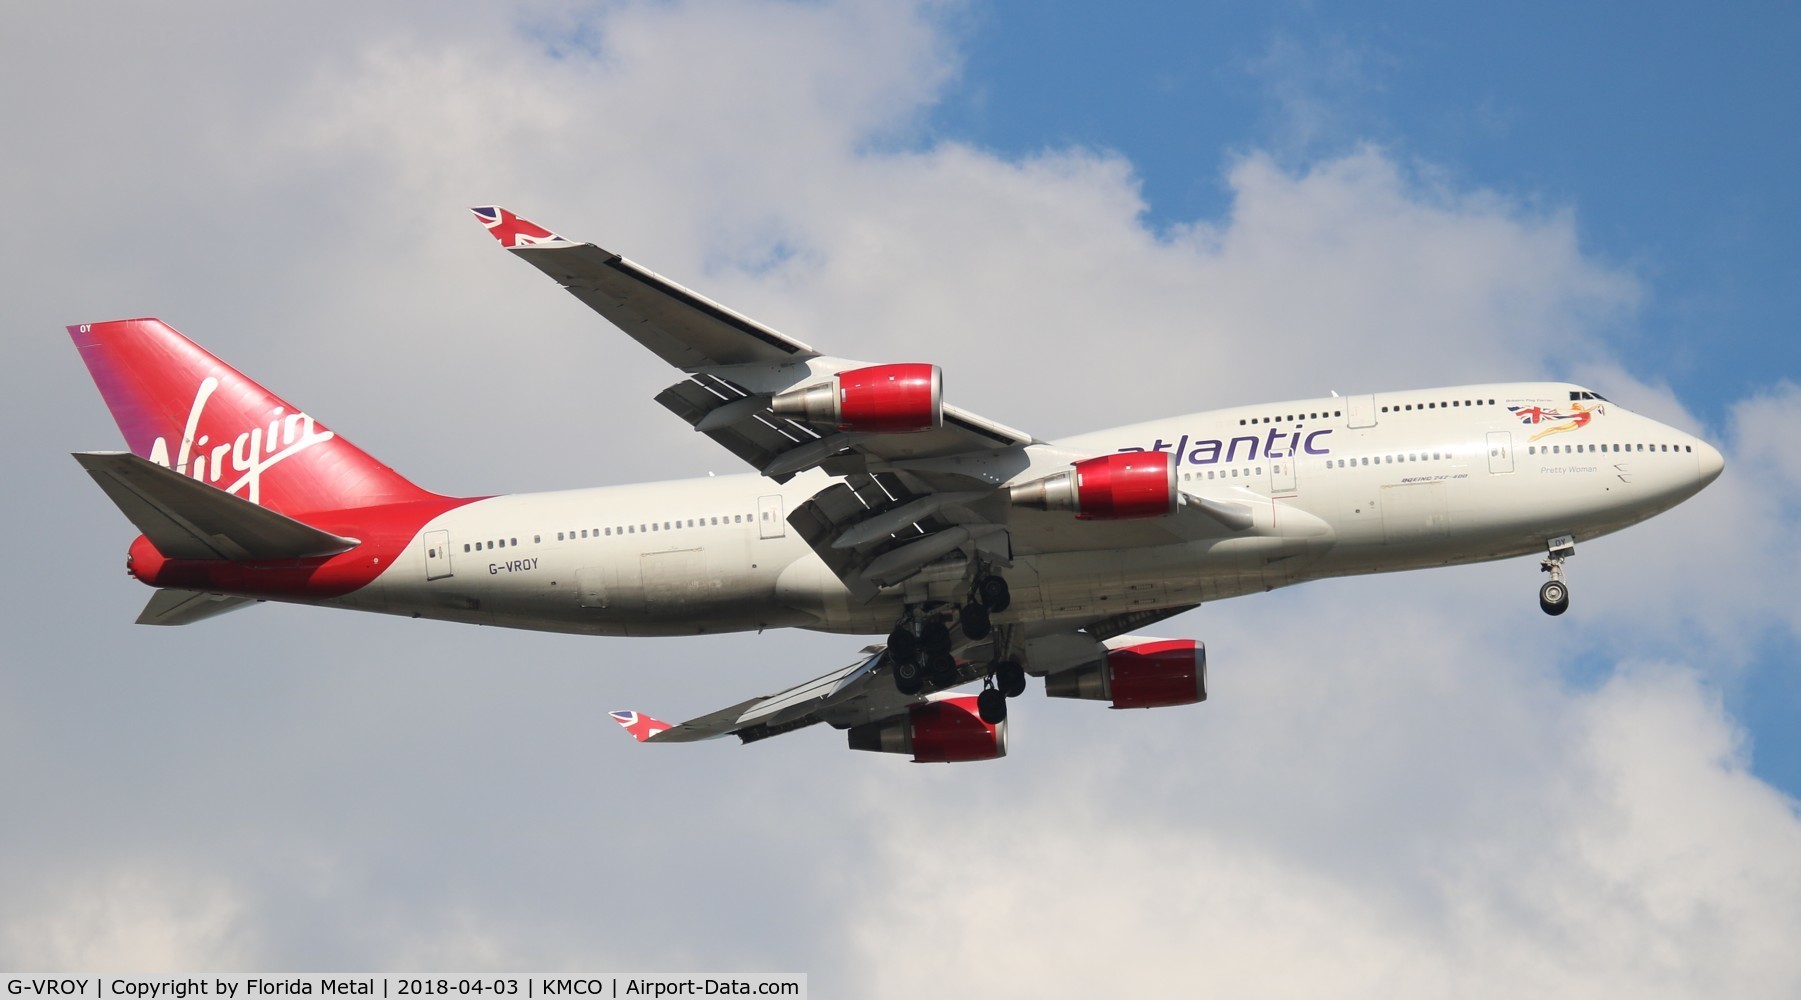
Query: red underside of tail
(384, 532)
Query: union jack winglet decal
(641, 726)
(514, 232)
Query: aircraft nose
(1709, 462)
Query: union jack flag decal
(1536, 414)
(513, 232)
(641, 726)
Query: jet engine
(1152, 674)
(943, 731)
(884, 399)
(1130, 484)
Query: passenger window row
(1576, 449)
(623, 529)
(645, 528)
(1223, 473)
(1435, 405)
(1290, 418)
(1401, 458)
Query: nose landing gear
(1554, 596)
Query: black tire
(1554, 597)
(991, 705)
(909, 678)
(975, 621)
(941, 668)
(934, 637)
(903, 644)
(992, 593)
(1010, 678)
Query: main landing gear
(1554, 596)
(1006, 680)
(919, 649)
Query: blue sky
(1667, 129)
(1410, 785)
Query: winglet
(642, 727)
(514, 232)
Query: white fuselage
(1336, 486)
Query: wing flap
(742, 423)
(187, 519)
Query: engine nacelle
(1130, 484)
(944, 731)
(1143, 675)
(884, 399)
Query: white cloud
(1600, 844)
(145, 920)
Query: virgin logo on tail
(249, 455)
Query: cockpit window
(1576, 394)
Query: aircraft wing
(735, 363)
(904, 498)
(685, 329)
(863, 691)
(849, 696)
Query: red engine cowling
(1152, 674)
(883, 399)
(1130, 484)
(944, 731)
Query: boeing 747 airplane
(979, 553)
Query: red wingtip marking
(641, 726)
(512, 231)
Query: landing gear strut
(1554, 596)
(1006, 678)
(919, 648)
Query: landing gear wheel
(934, 637)
(1554, 596)
(1010, 679)
(903, 644)
(991, 705)
(992, 593)
(941, 669)
(909, 679)
(975, 621)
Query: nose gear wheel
(1554, 596)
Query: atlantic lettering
(1278, 443)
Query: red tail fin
(182, 408)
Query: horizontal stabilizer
(187, 519)
(180, 607)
